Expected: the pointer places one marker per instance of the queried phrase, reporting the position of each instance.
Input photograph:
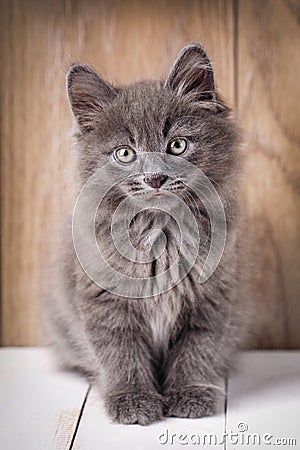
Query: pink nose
(155, 180)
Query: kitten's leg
(121, 347)
(192, 374)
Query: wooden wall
(254, 45)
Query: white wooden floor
(42, 408)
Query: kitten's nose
(155, 180)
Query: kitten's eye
(177, 146)
(125, 155)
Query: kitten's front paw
(135, 407)
(193, 401)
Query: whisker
(134, 183)
(175, 188)
(135, 189)
(175, 183)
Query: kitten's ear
(88, 94)
(192, 75)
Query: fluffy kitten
(160, 355)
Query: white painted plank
(97, 432)
(264, 398)
(39, 404)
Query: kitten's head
(182, 116)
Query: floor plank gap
(79, 417)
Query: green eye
(125, 155)
(177, 146)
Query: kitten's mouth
(157, 193)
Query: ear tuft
(88, 94)
(192, 75)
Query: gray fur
(164, 355)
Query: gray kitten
(159, 355)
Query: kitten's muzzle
(155, 180)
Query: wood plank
(125, 41)
(264, 398)
(40, 405)
(268, 89)
(96, 430)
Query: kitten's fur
(163, 355)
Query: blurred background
(255, 48)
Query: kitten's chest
(164, 314)
(168, 313)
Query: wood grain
(125, 41)
(43, 408)
(264, 394)
(40, 404)
(268, 65)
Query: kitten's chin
(158, 194)
(161, 197)
(155, 198)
